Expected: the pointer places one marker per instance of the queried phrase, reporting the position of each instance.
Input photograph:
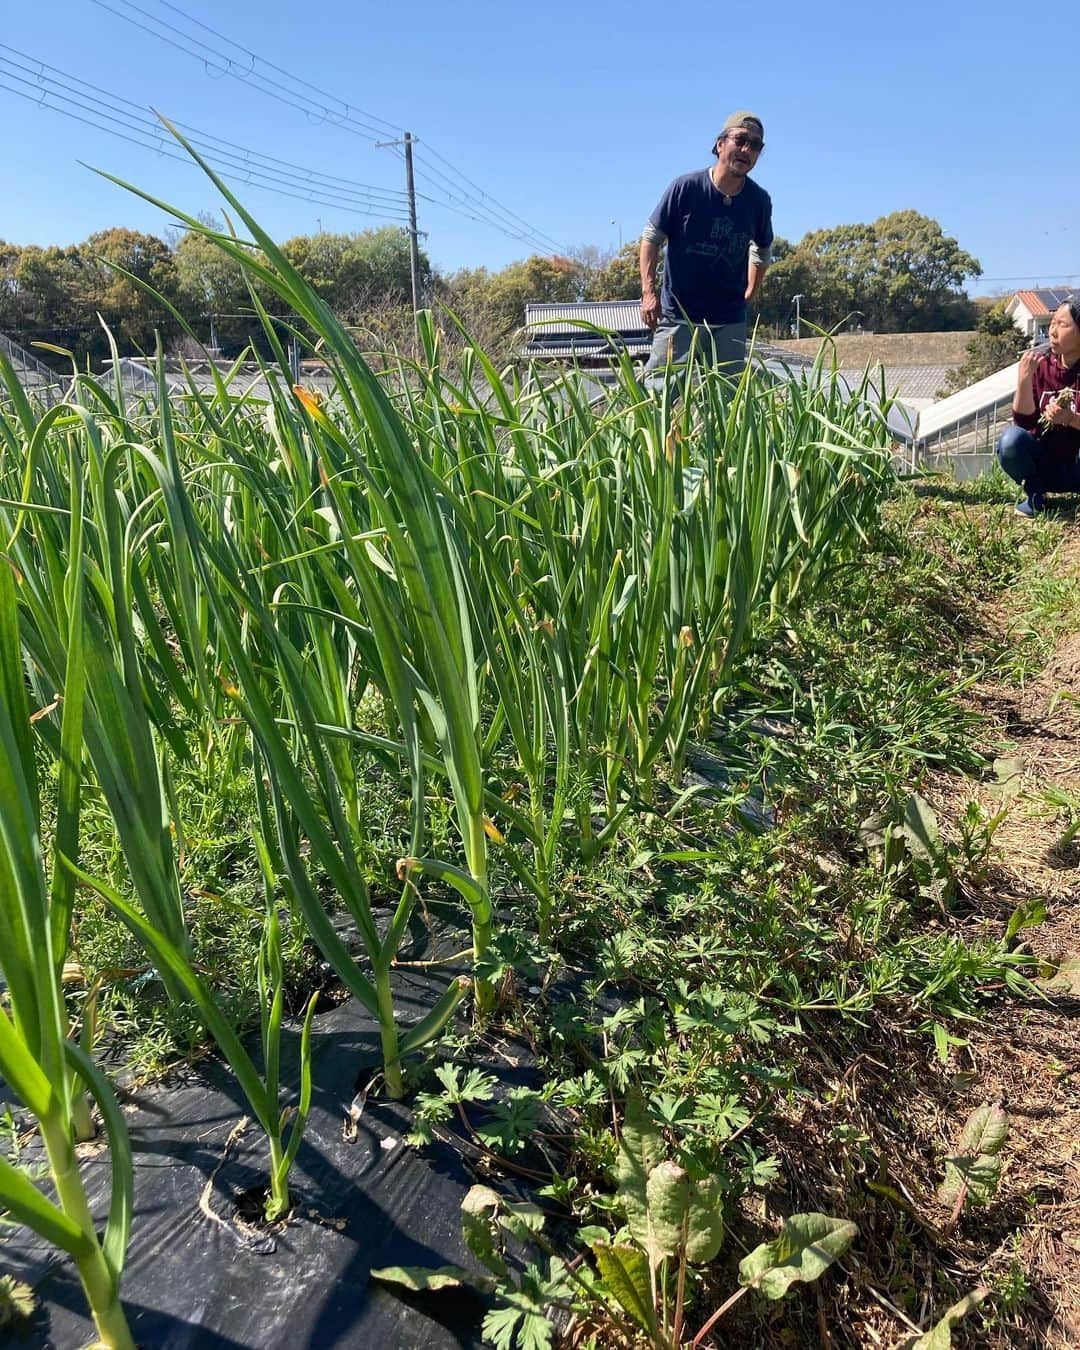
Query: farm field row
(588, 754)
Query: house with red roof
(1031, 311)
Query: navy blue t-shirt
(708, 244)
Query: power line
(464, 210)
(215, 144)
(462, 204)
(486, 197)
(361, 123)
(380, 126)
(234, 162)
(462, 196)
(155, 145)
(1035, 276)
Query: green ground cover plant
(723, 962)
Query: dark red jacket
(1050, 376)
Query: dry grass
(903, 349)
(869, 1138)
(1029, 1057)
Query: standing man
(717, 224)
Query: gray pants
(723, 345)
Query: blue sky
(572, 116)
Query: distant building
(568, 332)
(1031, 311)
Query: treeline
(901, 273)
(118, 279)
(137, 284)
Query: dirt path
(1028, 1056)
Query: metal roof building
(569, 331)
(917, 386)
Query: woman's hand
(1028, 361)
(1024, 399)
(1059, 414)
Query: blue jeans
(1027, 462)
(721, 344)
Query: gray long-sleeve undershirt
(759, 257)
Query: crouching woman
(1040, 450)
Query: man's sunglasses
(754, 143)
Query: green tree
(386, 253)
(537, 280)
(468, 295)
(619, 278)
(44, 299)
(208, 281)
(827, 296)
(493, 303)
(366, 279)
(212, 291)
(131, 313)
(899, 274)
(997, 343)
(334, 265)
(924, 269)
(9, 309)
(902, 273)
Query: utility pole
(414, 247)
(797, 299)
(412, 231)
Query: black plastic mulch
(362, 1199)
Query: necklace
(725, 196)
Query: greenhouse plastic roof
(965, 404)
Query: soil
(1024, 1248)
(1028, 1057)
(867, 1137)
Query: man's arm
(760, 250)
(758, 261)
(755, 274)
(648, 259)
